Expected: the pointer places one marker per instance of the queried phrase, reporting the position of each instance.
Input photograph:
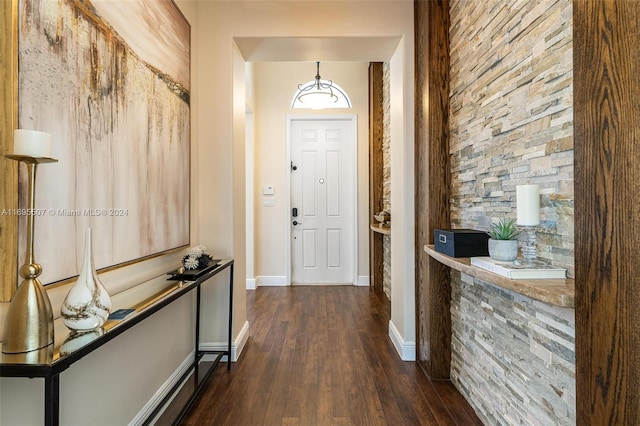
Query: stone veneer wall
(511, 123)
(512, 357)
(386, 175)
(512, 115)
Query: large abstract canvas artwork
(110, 81)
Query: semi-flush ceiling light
(320, 94)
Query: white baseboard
(236, 346)
(274, 281)
(156, 399)
(166, 387)
(240, 341)
(406, 349)
(363, 281)
(251, 283)
(281, 281)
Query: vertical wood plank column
(607, 218)
(433, 287)
(376, 261)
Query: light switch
(269, 201)
(268, 190)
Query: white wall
(402, 325)
(249, 173)
(276, 83)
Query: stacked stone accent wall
(513, 358)
(511, 123)
(512, 115)
(386, 175)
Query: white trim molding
(236, 346)
(406, 349)
(236, 349)
(363, 281)
(271, 281)
(251, 284)
(162, 392)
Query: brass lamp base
(39, 356)
(29, 320)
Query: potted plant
(503, 244)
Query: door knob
(295, 222)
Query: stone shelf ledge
(559, 292)
(385, 230)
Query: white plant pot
(503, 250)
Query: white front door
(323, 173)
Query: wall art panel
(110, 81)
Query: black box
(461, 242)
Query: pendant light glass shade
(320, 94)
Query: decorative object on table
(88, 303)
(460, 242)
(120, 314)
(29, 322)
(503, 244)
(528, 215)
(195, 263)
(510, 270)
(383, 217)
(78, 339)
(196, 258)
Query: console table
(145, 300)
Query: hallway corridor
(322, 356)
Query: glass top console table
(143, 301)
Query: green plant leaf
(503, 229)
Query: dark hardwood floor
(322, 356)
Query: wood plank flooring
(322, 356)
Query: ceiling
(283, 49)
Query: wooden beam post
(433, 177)
(607, 211)
(376, 256)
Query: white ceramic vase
(88, 304)
(79, 339)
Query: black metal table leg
(197, 347)
(52, 400)
(230, 317)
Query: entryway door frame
(290, 118)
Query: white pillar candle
(528, 205)
(31, 143)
